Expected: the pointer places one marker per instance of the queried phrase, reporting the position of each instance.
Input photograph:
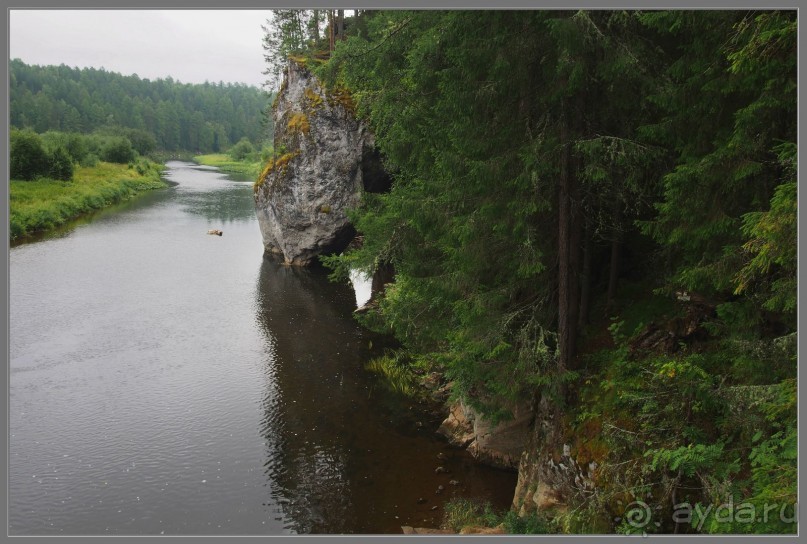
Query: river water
(165, 381)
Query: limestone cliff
(324, 159)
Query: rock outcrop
(550, 475)
(325, 158)
(500, 445)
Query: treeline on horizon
(201, 118)
(595, 212)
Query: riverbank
(227, 164)
(43, 204)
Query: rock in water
(323, 151)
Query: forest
(201, 118)
(593, 212)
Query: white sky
(191, 46)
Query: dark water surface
(164, 381)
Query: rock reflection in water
(314, 394)
(344, 455)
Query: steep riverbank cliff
(324, 159)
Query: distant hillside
(205, 117)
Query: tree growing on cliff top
(300, 32)
(288, 32)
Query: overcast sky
(190, 46)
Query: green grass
(44, 204)
(463, 512)
(227, 164)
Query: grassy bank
(43, 204)
(474, 516)
(227, 164)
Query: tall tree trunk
(569, 236)
(315, 28)
(585, 279)
(331, 30)
(340, 24)
(616, 254)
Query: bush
(462, 512)
(28, 157)
(241, 150)
(89, 160)
(75, 144)
(118, 149)
(60, 164)
(267, 152)
(142, 141)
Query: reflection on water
(363, 287)
(164, 381)
(227, 207)
(346, 455)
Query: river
(166, 381)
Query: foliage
(60, 164)
(241, 150)
(400, 372)
(463, 512)
(287, 33)
(771, 244)
(161, 114)
(28, 158)
(476, 142)
(75, 144)
(728, 115)
(117, 149)
(142, 141)
(690, 429)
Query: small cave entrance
(374, 177)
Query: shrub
(143, 142)
(72, 142)
(28, 157)
(60, 164)
(241, 150)
(89, 160)
(117, 149)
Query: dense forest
(592, 211)
(201, 118)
